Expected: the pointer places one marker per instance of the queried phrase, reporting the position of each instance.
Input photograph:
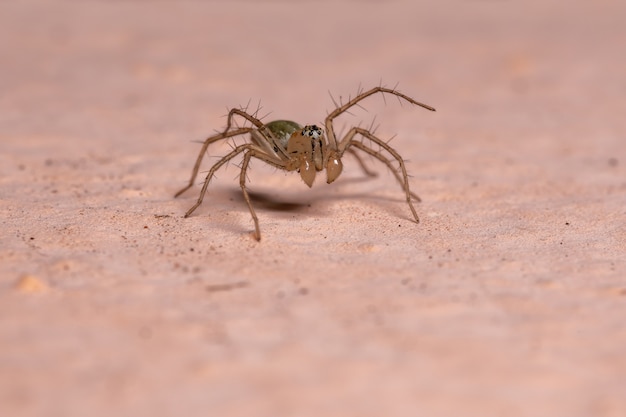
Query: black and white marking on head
(312, 131)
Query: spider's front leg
(330, 132)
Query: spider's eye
(312, 131)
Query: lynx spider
(288, 146)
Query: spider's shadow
(271, 202)
(305, 199)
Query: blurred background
(133, 60)
(506, 300)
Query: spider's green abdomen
(282, 130)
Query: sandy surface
(508, 299)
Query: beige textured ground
(508, 299)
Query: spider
(286, 145)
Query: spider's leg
(259, 154)
(330, 133)
(384, 160)
(256, 153)
(381, 158)
(227, 133)
(236, 151)
(205, 145)
(349, 140)
(364, 167)
(242, 184)
(250, 151)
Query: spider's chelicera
(288, 146)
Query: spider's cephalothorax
(288, 146)
(308, 153)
